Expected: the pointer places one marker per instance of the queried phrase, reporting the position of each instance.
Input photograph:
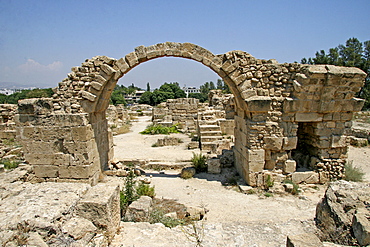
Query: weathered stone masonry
(289, 117)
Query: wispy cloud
(32, 66)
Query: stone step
(210, 122)
(211, 133)
(164, 165)
(208, 146)
(210, 138)
(209, 128)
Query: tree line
(26, 94)
(352, 54)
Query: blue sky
(40, 40)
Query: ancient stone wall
(183, 111)
(7, 124)
(61, 147)
(282, 111)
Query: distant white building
(135, 97)
(188, 90)
(7, 91)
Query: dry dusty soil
(234, 218)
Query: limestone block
(40, 147)
(256, 154)
(46, 171)
(258, 104)
(122, 65)
(338, 141)
(82, 133)
(96, 85)
(308, 117)
(214, 166)
(139, 210)
(361, 226)
(48, 159)
(256, 166)
(78, 227)
(290, 143)
(273, 143)
(303, 240)
(141, 53)
(108, 70)
(131, 59)
(305, 177)
(100, 205)
(289, 166)
(89, 96)
(78, 172)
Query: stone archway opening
(66, 137)
(186, 114)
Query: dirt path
(361, 159)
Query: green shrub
(295, 190)
(9, 164)
(128, 195)
(155, 129)
(353, 173)
(268, 194)
(269, 182)
(145, 190)
(199, 162)
(158, 216)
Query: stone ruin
(291, 120)
(7, 124)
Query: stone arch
(279, 107)
(92, 83)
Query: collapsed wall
(297, 118)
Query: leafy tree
(202, 97)
(146, 98)
(118, 97)
(352, 54)
(159, 96)
(173, 88)
(211, 85)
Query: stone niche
(289, 118)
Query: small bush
(199, 162)
(268, 194)
(295, 190)
(9, 164)
(269, 182)
(128, 195)
(155, 129)
(145, 190)
(353, 173)
(158, 216)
